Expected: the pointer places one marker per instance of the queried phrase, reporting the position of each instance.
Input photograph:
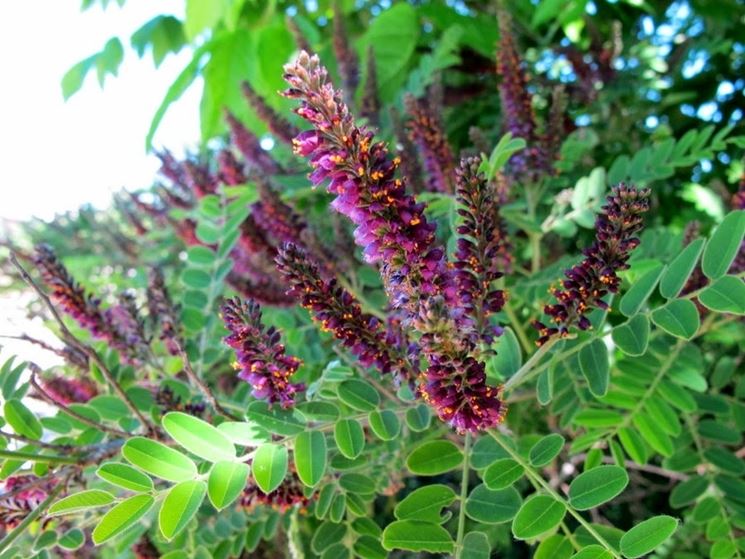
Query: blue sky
(56, 155)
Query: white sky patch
(55, 156)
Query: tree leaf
(22, 420)
(546, 449)
(198, 437)
(426, 504)
(349, 437)
(727, 294)
(276, 419)
(723, 245)
(359, 395)
(593, 362)
(632, 337)
(593, 552)
(226, 482)
(159, 460)
(385, 424)
(434, 457)
(502, 473)
(678, 318)
(327, 535)
(413, 535)
(85, 500)
(310, 457)
(493, 506)
(124, 475)
(121, 517)
(646, 536)
(269, 466)
(72, 539)
(179, 506)
(538, 515)
(679, 270)
(475, 546)
(688, 491)
(597, 486)
(632, 301)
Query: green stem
(463, 496)
(531, 473)
(517, 378)
(33, 515)
(518, 328)
(31, 457)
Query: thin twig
(89, 351)
(34, 442)
(33, 515)
(50, 400)
(202, 386)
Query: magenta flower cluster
(261, 358)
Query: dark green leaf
(413, 535)
(385, 424)
(538, 515)
(359, 395)
(546, 449)
(434, 458)
(593, 362)
(723, 245)
(426, 503)
(502, 474)
(310, 457)
(727, 295)
(646, 536)
(641, 289)
(633, 337)
(22, 420)
(677, 273)
(679, 318)
(349, 437)
(493, 507)
(597, 486)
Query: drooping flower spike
(163, 312)
(346, 56)
(261, 358)
(339, 312)
(68, 390)
(250, 146)
(370, 105)
(589, 281)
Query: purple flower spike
(483, 251)
(339, 312)
(426, 132)
(589, 281)
(260, 356)
(279, 126)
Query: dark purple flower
(370, 105)
(167, 400)
(124, 319)
(260, 356)
(14, 509)
(172, 169)
(70, 295)
(300, 41)
(163, 312)
(250, 146)
(391, 226)
(517, 107)
(289, 494)
(483, 251)
(339, 312)
(407, 154)
(263, 287)
(279, 126)
(230, 170)
(69, 390)
(589, 281)
(346, 57)
(198, 179)
(425, 130)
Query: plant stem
(463, 496)
(46, 458)
(518, 328)
(33, 515)
(531, 473)
(202, 386)
(517, 378)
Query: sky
(56, 155)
